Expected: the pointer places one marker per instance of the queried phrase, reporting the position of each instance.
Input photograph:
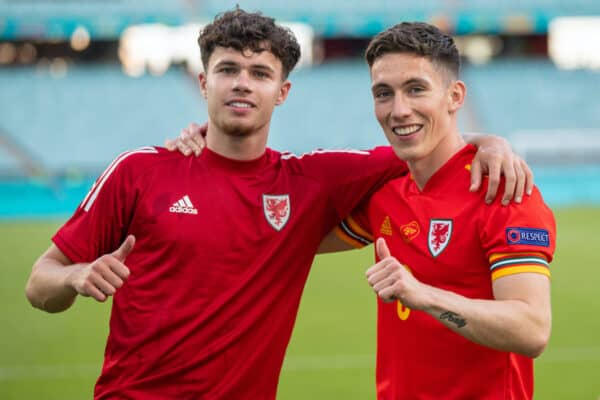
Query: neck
(243, 148)
(423, 169)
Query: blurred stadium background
(83, 80)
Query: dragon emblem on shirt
(440, 231)
(277, 210)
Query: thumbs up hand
(393, 281)
(102, 278)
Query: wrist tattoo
(454, 318)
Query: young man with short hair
(464, 289)
(207, 257)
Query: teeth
(240, 104)
(407, 130)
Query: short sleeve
(351, 176)
(520, 237)
(355, 229)
(101, 221)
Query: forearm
(49, 288)
(333, 243)
(507, 325)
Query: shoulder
(382, 156)
(143, 158)
(133, 164)
(322, 154)
(532, 214)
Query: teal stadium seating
(331, 18)
(87, 117)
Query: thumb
(126, 247)
(382, 249)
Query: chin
(238, 130)
(403, 153)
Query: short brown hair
(242, 30)
(417, 38)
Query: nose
(401, 108)
(241, 83)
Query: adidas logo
(183, 206)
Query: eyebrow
(411, 81)
(380, 86)
(227, 63)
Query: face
(415, 104)
(242, 90)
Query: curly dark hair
(242, 30)
(417, 38)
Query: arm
(332, 243)
(517, 320)
(495, 158)
(349, 234)
(55, 281)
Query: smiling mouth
(239, 104)
(406, 130)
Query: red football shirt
(450, 239)
(222, 255)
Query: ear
(202, 81)
(283, 92)
(456, 96)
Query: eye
(383, 94)
(261, 74)
(415, 90)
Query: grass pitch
(331, 355)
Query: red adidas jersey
(450, 239)
(222, 254)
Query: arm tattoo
(454, 318)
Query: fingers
(190, 140)
(193, 137)
(185, 142)
(510, 182)
(183, 147)
(198, 143)
(380, 266)
(521, 181)
(528, 177)
(387, 295)
(384, 273)
(493, 182)
(476, 175)
(170, 144)
(386, 283)
(126, 247)
(90, 289)
(179, 144)
(382, 249)
(104, 277)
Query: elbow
(536, 348)
(38, 302)
(538, 342)
(34, 293)
(31, 292)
